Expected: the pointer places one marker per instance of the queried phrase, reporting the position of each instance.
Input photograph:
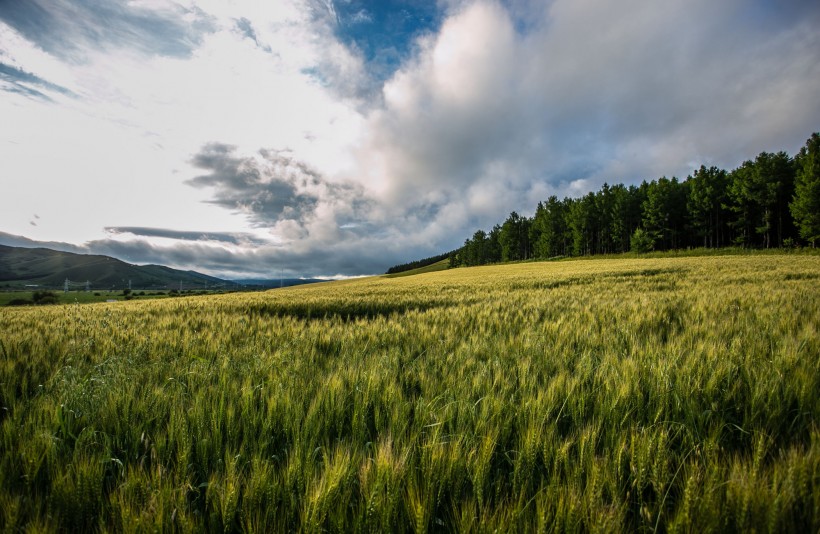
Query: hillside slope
(441, 265)
(50, 268)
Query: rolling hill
(50, 268)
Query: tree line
(771, 201)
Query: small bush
(642, 241)
(44, 297)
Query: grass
(671, 394)
(442, 265)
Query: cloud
(391, 139)
(246, 27)
(267, 189)
(66, 28)
(11, 240)
(361, 17)
(641, 97)
(587, 92)
(138, 117)
(20, 81)
(273, 189)
(268, 260)
(232, 238)
(454, 145)
(487, 117)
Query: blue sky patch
(385, 31)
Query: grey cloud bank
(232, 238)
(273, 190)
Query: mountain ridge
(22, 266)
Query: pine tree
(707, 196)
(805, 207)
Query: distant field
(86, 297)
(653, 395)
(68, 298)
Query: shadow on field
(644, 274)
(649, 279)
(656, 279)
(345, 311)
(552, 284)
(801, 276)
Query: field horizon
(672, 394)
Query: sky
(242, 138)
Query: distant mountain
(50, 268)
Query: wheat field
(649, 395)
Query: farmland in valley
(664, 394)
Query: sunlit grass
(672, 394)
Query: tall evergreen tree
(741, 201)
(604, 209)
(539, 231)
(775, 176)
(664, 212)
(550, 226)
(760, 191)
(514, 238)
(620, 225)
(494, 244)
(805, 207)
(706, 205)
(626, 214)
(475, 249)
(581, 221)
